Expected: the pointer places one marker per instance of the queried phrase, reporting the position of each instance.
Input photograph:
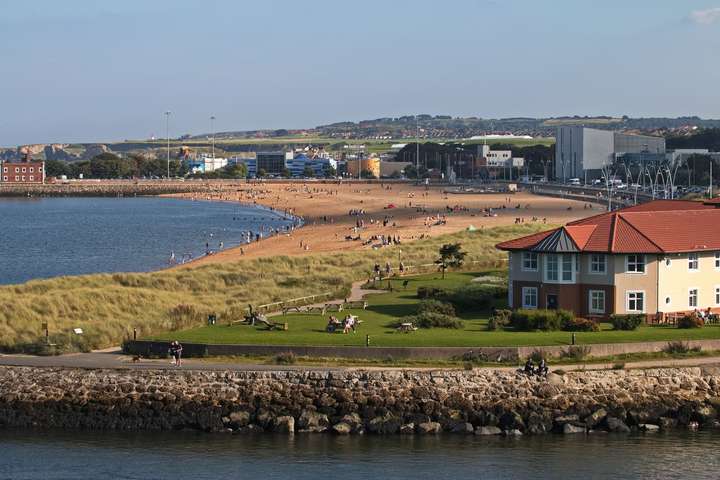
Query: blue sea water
(111, 455)
(48, 237)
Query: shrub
(626, 322)
(690, 320)
(618, 366)
(474, 357)
(537, 356)
(581, 325)
(680, 347)
(430, 292)
(575, 353)
(545, 320)
(499, 319)
(474, 297)
(432, 320)
(285, 358)
(436, 306)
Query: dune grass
(108, 306)
(385, 308)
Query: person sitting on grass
(333, 324)
(349, 324)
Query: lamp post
(167, 134)
(212, 131)
(417, 149)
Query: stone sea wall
(482, 402)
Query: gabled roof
(660, 226)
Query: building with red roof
(654, 258)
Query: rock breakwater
(483, 402)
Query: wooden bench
(406, 328)
(333, 307)
(295, 308)
(319, 310)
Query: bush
(474, 297)
(436, 306)
(626, 322)
(431, 292)
(679, 347)
(432, 320)
(474, 357)
(690, 320)
(581, 325)
(499, 319)
(575, 353)
(285, 358)
(618, 366)
(545, 320)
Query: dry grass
(108, 306)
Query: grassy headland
(108, 306)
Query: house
(26, 171)
(655, 258)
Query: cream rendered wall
(646, 282)
(676, 279)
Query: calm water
(57, 455)
(47, 237)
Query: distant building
(371, 165)
(582, 152)
(388, 169)
(319, 165)
(273, 163)
(26, 171)
(206, 164)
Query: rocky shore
(481, 402)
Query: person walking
(176, 353)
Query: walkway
(112, 358)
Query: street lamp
(167, 134)
(212, 131)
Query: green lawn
(384, 308)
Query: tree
(330, 171)
(235, 170)
(56, 168)
(451, 255)
(308, 171)
(286, 173)
(261, 173)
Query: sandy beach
(333, 212)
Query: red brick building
(22, 172)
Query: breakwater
(90, 188)
(483, 402)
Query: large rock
(285, 424)
(429, 428)
(616, 425)
(239, 419)
(342, 428)
(595, 418)
(463, 428)
(511, 421)
(384, 424)
(407, 428)
(488, 430)
(569, 428)
(313, 422)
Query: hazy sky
(76, 70)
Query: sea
(49, 237)
(52, 455)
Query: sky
(87, 71)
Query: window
(717, 295)
(23, 169)
(5, 170)
(597, 301)
(717, 259)
(598, 263)
(32, 169)
(551, 268)
(567, 268)
(693, 297)
(530, 261)
(17, 178)
(17, 170)
(32, 178)
(692, 261)
(5, 178)
(636, 302)
(529, 297)
(636, 264)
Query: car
(574, 182)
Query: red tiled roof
(661, 226)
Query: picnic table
(406, 328)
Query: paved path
(114, 359)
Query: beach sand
(411, 212)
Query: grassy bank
(108, 306)
(385, 308)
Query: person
(333, 324)
(176, 352)
(542, 368)
(349, 324)
(529, 367)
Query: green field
(385, 308)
